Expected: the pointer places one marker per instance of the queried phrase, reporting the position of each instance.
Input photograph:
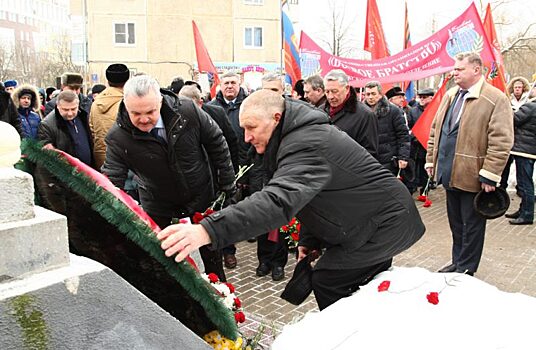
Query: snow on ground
(470, 314)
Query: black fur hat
(491, 205)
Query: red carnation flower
(422, 198)
(239, 317)
(212, 277)
(295, 236)
(427, 203)
(237, 303)
(433, 298)
(197, 218)
(230, 286)
(384, 286)
(298, 226)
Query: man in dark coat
(417, 151)
(8, 111)
(67, 129)
(313, 89)
(218, 114)
(165, 140)
(393, 133)
(230, 98)
(72, 82)
(348, 113)
(524, 153)
(351, 205)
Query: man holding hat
(72, 82)
(10, 85)
(470, 140)
(417, 151)
(104, 109)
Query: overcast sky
(423, 14)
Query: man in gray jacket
(352, 207)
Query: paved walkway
(508, 262)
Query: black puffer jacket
(175, 179)
(232, 112)
(8, 112)
(220, 117)
(357, 120)
(525, 131)
(346, 199)
(393, 134)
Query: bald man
(348, 202)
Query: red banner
(204, 62)
(496, 75)
(422, 127)
(374, 37)
(432, 56)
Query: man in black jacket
(72, 82)
(65, 128)
(230, 98)
(350, 204)
(417, 151)
(8, 112)
(524, 153)
(348, 113)
(193, 91)
(393, 133)
(165, 140)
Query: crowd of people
(329, 154)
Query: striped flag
(290, 49)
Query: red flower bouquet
(291, 231)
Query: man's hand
(303, 251)
(183, 239)
(430, 171)
(402, 164)
(487, 188)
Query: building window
(124, 34)
(253, 2)
(253, 37)
(293, 2)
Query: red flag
(374, 38)
(496, 75)
(421, 129)
(204, 63)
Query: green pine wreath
(127, 222)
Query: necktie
(456, 109)
(156, 134)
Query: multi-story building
(29, 31)
(156, 36)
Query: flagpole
(282, 36)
